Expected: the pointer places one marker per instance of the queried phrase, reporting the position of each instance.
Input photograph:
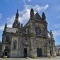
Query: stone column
(33, 49)
(54, 49)
(48, 49)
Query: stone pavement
(41, 58)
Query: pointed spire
(32, 10)
(43, 16)
(4, 32)
(16, 23)
(5, 28)
(37, 16)
(31, 13)
(5, 25)
(17, 14)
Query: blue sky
(50, 7)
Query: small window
(15, 44)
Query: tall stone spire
(43, 16)
(17, 14)
(5, 26)
(31, 13)
(5, 29)
(16, 23)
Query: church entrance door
(5, 54)
(25, 52)
(39, 52)
(6, 51)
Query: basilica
(31, 40)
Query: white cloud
(10, 25)
(26, 11)
(1, 28)
(56, 33)
(25, 14)
(57, 25)
(29, 0)
(37, 7)
(11, 19)
(44, 7)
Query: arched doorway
(39, 52)
(25, 52)
(6, 51)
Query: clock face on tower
(38, 31)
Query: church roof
(37, 16)
(13, 30)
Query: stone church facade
(31, 40)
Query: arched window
(38, 31)
(15, 44)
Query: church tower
(16, 23)
(45, 24)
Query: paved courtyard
(41, 58)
